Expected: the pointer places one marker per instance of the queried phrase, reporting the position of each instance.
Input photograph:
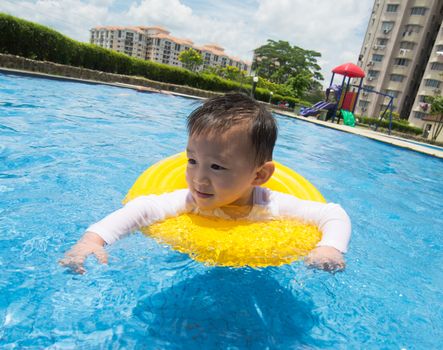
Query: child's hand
(90, 243)
(326, 258)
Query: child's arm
(140, 212)
(326, 258)
(90, 243)
(332, 221)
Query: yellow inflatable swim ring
(234, 243)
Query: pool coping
(374, 135)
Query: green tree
(437, 112)
(281, 63)
(191, 59)
(232, 73)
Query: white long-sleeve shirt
(330, 218)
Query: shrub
(34, 41)
(396, 125)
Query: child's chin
(204, 205)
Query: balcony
(371, 64)
(417, 19)
(411, 35)
(406, 53)
(379, 47)
(421, 3)
(371, 79)
(402, 70)
(386, 32)
(395, 85)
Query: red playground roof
(349, 70)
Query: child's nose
(201, 178)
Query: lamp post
(270, 97)
(254, 85)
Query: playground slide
(348, 117)
(315, 109)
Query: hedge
(34, 41)
(397, 125)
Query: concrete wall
(25, 64)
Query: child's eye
(191, 161)
(217, 167)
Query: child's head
(231, 139)
(219, 114)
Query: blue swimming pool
(70, 151)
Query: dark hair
(219, 114)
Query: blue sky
(334, 28)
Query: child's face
(221, 168)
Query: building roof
(160, 29)
(138, 29)
(173, 38)
(216, 49)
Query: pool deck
(374, 135)
(378, 136)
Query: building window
(384, 105)
(432, 83)
(420, 115)
(386, 27)
(119, 33)
(377, 58)
(397, 77)
(411, 28)
(392, 8)
(373, 74)
(393, 93)
(439, 48)
(423, 98)
(401, 62)
(382, 41)
(407, 45)
(418, 11)
(368, 87)
(177, 47)
(363, 103)
(436, 66)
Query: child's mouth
(203, 195)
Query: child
(230, 145)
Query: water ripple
(76, 149)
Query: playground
(341, 99)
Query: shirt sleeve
(330, 218)
(140, 212)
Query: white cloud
(73, 18)
(182, 21)
(334, 28)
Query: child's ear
(264, 173)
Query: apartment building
(156, 44)
(399, 44)
(431, 85)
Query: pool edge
(377, 136)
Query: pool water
(68, 154)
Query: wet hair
(221, 113)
